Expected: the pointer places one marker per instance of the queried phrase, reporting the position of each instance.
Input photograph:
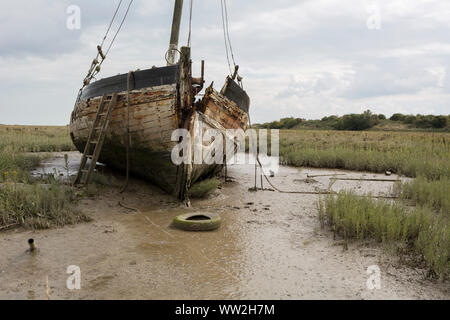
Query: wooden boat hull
(155, 112)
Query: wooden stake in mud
(262, 187)
(226, 168)
(256, 173)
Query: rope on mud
(314, 192)
(146, 218)
(365, 179)
(270, 183)
(324, 175)
(173, 237)
(127, 207)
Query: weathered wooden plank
(142, 120)
(135, 107)
(223, 110)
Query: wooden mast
(173, 47)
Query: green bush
(439, 122)
(284, 123)
(422, 121)
(362, 121)
(397, 117)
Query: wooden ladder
(95, 140)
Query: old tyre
(197, 221)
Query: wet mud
(270, 246)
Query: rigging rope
(225, 35)
(96, 65)
(228, 45)
(228, 32)
(110, 24)
(120, 27)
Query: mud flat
(270, 246)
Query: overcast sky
(305, 59)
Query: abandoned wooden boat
(148, 106)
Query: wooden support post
(236, 69)
(185, 79)
(185, 115)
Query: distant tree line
(363, 121)
(422, 121)
(284, 123)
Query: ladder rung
(101, 113)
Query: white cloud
(299, 58)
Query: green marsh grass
(38, 206)
(36, 138)
(421, 191)
(407, 153)
(422, 231)
(25, 200)
(419, 232)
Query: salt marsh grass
(36, 138)
(419, 232)
(420, 191)
(407, 153)
(27, 201)
(423, 230)
(38, 206)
